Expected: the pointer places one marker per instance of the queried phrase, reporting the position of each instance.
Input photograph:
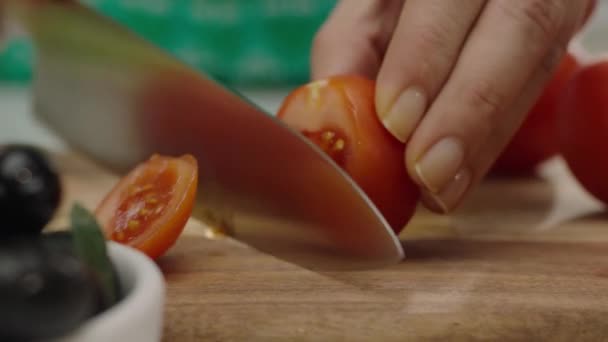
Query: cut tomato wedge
(338, 115)
(149, 207)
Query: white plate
(138, 317)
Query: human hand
(455, 79)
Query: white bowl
(139, 315)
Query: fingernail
(405, 113)
(440, 164)
(448, 198)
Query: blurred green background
(239, 42)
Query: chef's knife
(118, 98)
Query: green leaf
(90, 245)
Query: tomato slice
(338, 115)
(149, 207)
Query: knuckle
(544, 17)
(552, 60)
(432, 38)
(487, 102)
(431, 48)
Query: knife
(118, 98)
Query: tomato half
(338, 115)
(536, 140)
(583, 128)
(149, 207)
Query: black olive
(30, 190)
(58, 241)
(46, 291)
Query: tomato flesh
(338, 115)
(144, 203)
(149, 207)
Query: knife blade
(118, 98)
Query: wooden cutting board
(521, 260)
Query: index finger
(447, 153)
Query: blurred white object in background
(17, 124)
(139, 316)
(594, 38)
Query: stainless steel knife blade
(118, 99)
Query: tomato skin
(583, 129)
(371, 155)
(536, 140)
(172, 183)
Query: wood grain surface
(520, 260)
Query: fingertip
(432, 203)
(451, 196)
(383, 97)
(401, 116)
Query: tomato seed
(136, 190)
(152, 200)
(133, 225)
(119, 236)
(339, 145)
(328, 135)
(330, 141)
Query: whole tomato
(583, 128)
(536, 140)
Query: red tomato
(583, 128)
(149, 208)
(536, 139)
(338, 115)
